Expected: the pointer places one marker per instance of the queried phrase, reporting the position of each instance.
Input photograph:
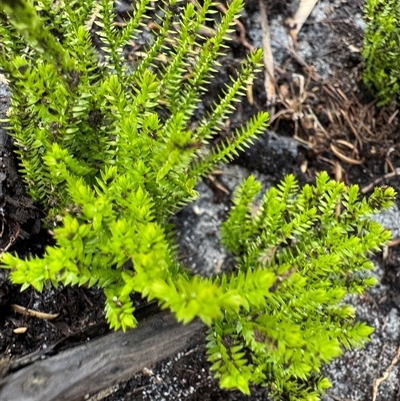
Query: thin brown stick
(30, 312)
(393, 116)
(240, 27)
(353, 129)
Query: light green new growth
(111, 150)
(381, 51)
(314, 242)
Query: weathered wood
(83, 371)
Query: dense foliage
(111, 150)
(382, 48)
(313, 242)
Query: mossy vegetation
(381, 51)
(112, 150)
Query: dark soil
(337, 113)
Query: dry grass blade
(297, 22)
(269, 81)
(343, 157)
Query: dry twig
(11, 242)
(385, 375)
(34, 313)
(269, 81)
(371, 186)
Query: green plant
(314, 241)
(96, 152)
(381, 51)
(112, 151)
